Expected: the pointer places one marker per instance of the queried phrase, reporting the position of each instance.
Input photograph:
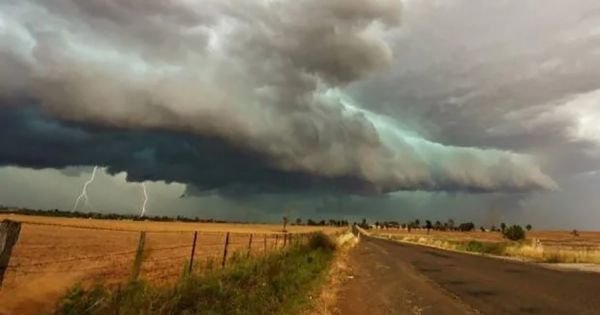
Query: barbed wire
(172, 265)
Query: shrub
(514, 233)
(320, 240)
(475, 246)
(487, 248)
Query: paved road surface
(394, 278)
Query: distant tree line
(428, 225)
(322, 222)
(513, 232)
(133, 217)
(105, 216)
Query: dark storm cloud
(36, 140)
(33, 140)
(236, 95)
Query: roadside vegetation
(279, 283)
(504, 240)
(525, 249)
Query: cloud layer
(228, 95)
(505, 74)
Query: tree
(298, 221)
(466, 227)
(428, 225)
(528, 227)
(451, 224)
(417, 223)
(502, 227)
(514, 233)
(438, 225)
(482, 229)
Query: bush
(486, 248)
(475, 246)
(514, 233)
(320, 240)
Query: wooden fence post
(225, 251)
(191, 266)
(284, 239)
(250, 245)
(9, 234)
(139, 257)
(276, 240)
(265, 244)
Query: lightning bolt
(83, 194)
(145, 199)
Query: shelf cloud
(263, 96)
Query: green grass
(485, 247)
(280, 283)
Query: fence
(76, 254)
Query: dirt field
(53, 254)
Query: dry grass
(541, 246)
(54, 253)
(325, 301)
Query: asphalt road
(394, 278)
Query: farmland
(52, 254)
(127, 225)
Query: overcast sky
(249, 110)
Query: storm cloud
(263, 96)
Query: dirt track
(394, 278)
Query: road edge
(565, 267)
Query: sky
(251, 110)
